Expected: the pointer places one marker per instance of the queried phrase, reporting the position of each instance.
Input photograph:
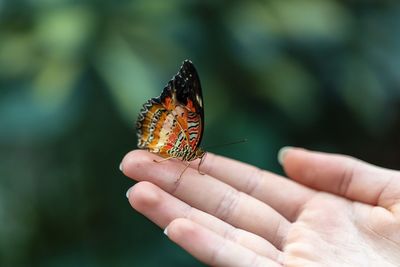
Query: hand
(336, 210)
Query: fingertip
(295, 161)
(134, 161)
(311, 167)
(180, 228)
(141, 165)
(288, 152)
(136, 157)
(144, 195)
(282, 153)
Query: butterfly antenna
(228, 144)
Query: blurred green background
(320, 74)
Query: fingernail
(282, 153)
(120, 167)
(127, 193)
(166, 231)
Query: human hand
(336, 210)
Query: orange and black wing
(172, 124)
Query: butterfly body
(172, 124)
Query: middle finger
(162, 208)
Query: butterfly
(171, 125)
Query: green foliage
(74, 74)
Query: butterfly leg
(180, 176)
(201, 161)
(162, 160)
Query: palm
(334, 231)
(336, 212)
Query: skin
(333, 211)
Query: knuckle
(228, 204)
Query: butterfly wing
(172, 124)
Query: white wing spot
(198, 98)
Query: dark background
(320, 74)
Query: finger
(162, 208)
(343, 175)
(210, 195)
(211, 248)
(285, 196)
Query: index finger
(210, 195)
